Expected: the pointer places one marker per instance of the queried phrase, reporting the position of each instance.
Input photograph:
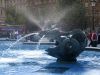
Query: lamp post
(93, 3)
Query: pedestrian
(98, 38)
(94, 39)
(89, 37)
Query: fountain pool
(24, 59)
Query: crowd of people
(94, 38)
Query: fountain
(68, 45)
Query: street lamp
(93, 3)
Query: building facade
(2, 12)
(92, 13)
(42, 10)
(36, 7)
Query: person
(89, 37)
(98, 38)
(93, 39)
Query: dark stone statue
(68, 45)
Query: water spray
(22, 39)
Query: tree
(14, 18)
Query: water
(29, 61)
(45, 16)
(22, 38)
(38, 45)
(28, 15)
(17, 42)
(25, 59)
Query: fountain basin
(26, 60)
(43, 43)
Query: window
(45, 1)
(37, 2)
(1, 11)
(1, 1)
(86, 4)
(50, 1)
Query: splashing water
(38, 45)
(22, 39)
(56, 16)
(29, 15)
(42, 17)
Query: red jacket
(94, 37)
(89, 36)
